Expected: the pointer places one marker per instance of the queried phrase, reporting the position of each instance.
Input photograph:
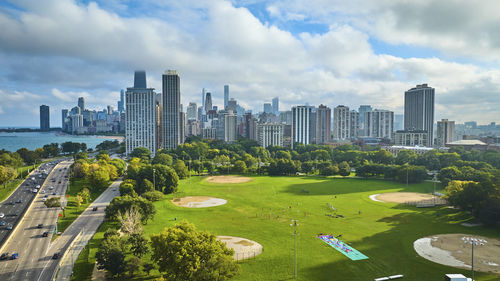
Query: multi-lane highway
(28, 239)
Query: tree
(183, 253)
(85, 195)
(130, 220)
(127, 188)
(119, 205)
(6, 175)
(239, 167)
(448, 174)
(197, 166)
(138, 244)
(133, 265)
(162, 158)
(411, 174)
(282, 154)
(406, 157)
(382, 157)
(330, 170)
(99, 178)
(78, 200)
(307, 167)
(181, 169)
(165, 178)
(153, 196)
(344, 169)
(53, 202)
(147, 267)
(141, 153)
(111, 255)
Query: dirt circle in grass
(400, 197)
(243, 248)
(198, 201)
(450, 249)
(228, 179)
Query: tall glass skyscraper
(44, 118)
(276, 105)
(171, 109)
(140, 125)
(419, 111)
(226, 96)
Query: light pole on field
(295, 233)
(474, 242)
(154, 181)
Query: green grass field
(262, 210)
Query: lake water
(34, 140)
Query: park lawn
(72, 211)
(262, 210)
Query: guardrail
(62, 260)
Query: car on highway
(37, 186)
(54, 193)
(46, 196)
(19, 201)
(35, 190)
(4, 256)
(94, 209)
(45, 234)
(2, 223)
(14, 256)
(2, 215)
(10, 226)
(51, 187)
(56, 256)
(40, 225)
(43, 191)
(59, 182)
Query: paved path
(77, 235)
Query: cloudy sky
(311, 51)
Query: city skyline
(289, 51)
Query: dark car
(94, 209)
(45, 234)
(56, 256)
(54, 193)
(14, 256)
(40, 225)
(4, 256)
(19, 201)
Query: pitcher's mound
(450, 249)
(401, 197)
(243, 248)
(228, 179)
(198, 201)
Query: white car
(35, 190)
(43, 191)
(51, 187)
(38, 186)
(44, 199)
(2, 215)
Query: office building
(230, 127)
(398, 122)
(276, 105)
(81, 104)
(341, 123)
(411, 138)
(44, 118)
(354, 123)
(226, 96)
(192, 111)
(323, 124)
(121, 102)
(141, 117)
(445, 132)
(64, 115)
(171, 109)
(301, 120)
(232, 105)
(208, 102)
(379, 123)
(268, 108)
(419, 111)
(270, 134)
(361, 110)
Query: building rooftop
(467, 142)
(410, 147)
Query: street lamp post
(474, 242)
(295, 233)
(154, 181)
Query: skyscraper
(203, 100)
(208, 102)
(121, 102)
(379, 123)
(445, 132)
(276, 105)
(171, 109)
(44, 118)
(301, 124)
(226, 95)
(354, 123)
(141, 119)
(362, 109)
(419, 110)
(192, 111)
(342, 123)
(270, 134)
(64, 115)
(81, 103)
(268, 108)
(323, 124)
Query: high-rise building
(398, 122)
(121, 102)
(354, 123)
(445, 132)
(323, 124)
(301, 124)
(226, 96)
(141, 120)
(81, 104)
(159, 123)
(232, 105)
(192, 111)
(44, 118)
(171, 109)
(419, 110)
(342, 123)
(411, 138)
(182, 126)
(230, 124)
(64, 115)
(379, 123)
(270, 134)
(208, 102)
(362, 109)
(268, 108)
(203, 100)
(276, 105)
